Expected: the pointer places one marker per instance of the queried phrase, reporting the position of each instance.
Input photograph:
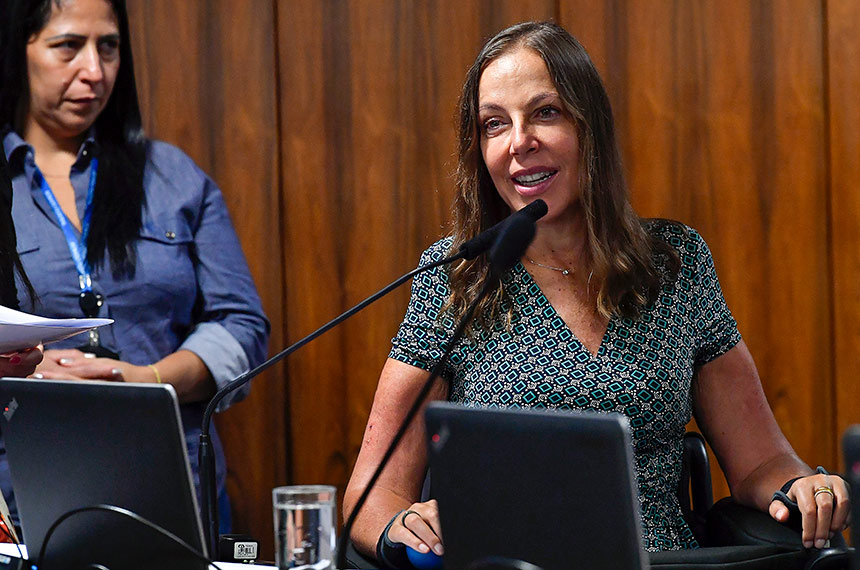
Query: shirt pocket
(166, 259)
(27, 242)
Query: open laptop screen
(79, 444)
(553, 489)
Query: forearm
(757, 489)
(188, 375)
(381, 505)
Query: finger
(54, 375)
(778, 511)
(405, 535)
(824, 502)
(842, 511)
(95, 370)
(429, 531)
(808, 513)
(417, 523)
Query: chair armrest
(730, 523)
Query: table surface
(12, 550)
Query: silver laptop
(73, 445)
(519, 488)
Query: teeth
(533, 179)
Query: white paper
(21, 330)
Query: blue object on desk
(422, 561)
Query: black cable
(126, 513)
(407, 420)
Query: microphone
(469, 250)
(482, 242)
(514, 237)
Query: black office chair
(731, 536)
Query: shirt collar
(13, 144)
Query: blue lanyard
(77, 247)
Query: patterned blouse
(643, 369)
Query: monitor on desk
(72, 445)
(552, 489)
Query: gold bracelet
(157, 375)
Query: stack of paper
(21, 330)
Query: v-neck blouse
(643, 368)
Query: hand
(72, 364)
(418, 527)
(822, 515)
(20, 363)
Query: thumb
(778, 511)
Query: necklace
(561, 270)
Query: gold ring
(406, 514)
(820, 490)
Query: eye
(492, 125)
(109, 48)
(548, 112)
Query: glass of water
(304, 526)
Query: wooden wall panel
(720, 108)
(369, 92)
(843, 64)
(206, 82)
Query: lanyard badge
(90, 301)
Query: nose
(91, 69)
(523, 139)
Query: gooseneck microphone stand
(206, 456)
(510, 245)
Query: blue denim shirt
(191, 290)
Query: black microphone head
(512, 242)
(482, 242)
(535, 210)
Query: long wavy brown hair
(621, 250)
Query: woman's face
(528, 140)
(72, 64)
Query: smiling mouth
(530, 180)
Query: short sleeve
(717, 330)
(422, 336)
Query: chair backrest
(695, 493)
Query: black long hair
(118, 197)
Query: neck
(560, 242)
(50, 148)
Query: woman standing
(112, 224)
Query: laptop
(521, 488)
(79, 444)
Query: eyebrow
(70, 36)
(531, 103)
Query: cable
(126, 513)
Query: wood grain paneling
(720, 108)
(843, 65)
(205, 77)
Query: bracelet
(157, 375)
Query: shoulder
(168, 159)
(684, 239)
(439, 250)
